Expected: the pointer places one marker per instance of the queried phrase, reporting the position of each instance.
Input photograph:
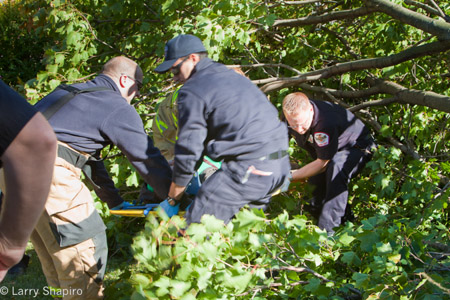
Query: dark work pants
(330, 188)
(225, 193)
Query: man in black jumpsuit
(225, 116)
(27, 155)
(340, 144)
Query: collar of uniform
(316, 115)
(203, 64)
(105, 80)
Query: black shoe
(21, 267)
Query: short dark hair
(202, 55)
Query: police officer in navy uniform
(340, 144)
(225, 116)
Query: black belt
(275, 155)
(71, 156)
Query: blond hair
(295, 102)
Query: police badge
(321, 138)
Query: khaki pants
(70, 238)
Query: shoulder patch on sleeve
(322, 139)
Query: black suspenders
(73, 91)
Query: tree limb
(274, 84)
(423, 6)
(417, 97)
(325, 18)
(437, 28)
(372, 103)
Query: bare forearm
(176, 191)
(28, 167)
(309, 170)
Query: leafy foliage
(287, 257)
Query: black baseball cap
(179, 46)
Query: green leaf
(204, 274)
(178, 288)
(197, 232)
(209, 250)
(368, 240)
(140, 279)
(72, 38)
(52, 68)
(59, 59)
(350, 258)
(361, 279)
(346, 239)
(313, 285)
(345, 78)
(247, 219)
(163, 284)
(133, 179)
(384, 248)
(237, 283)
(212, 224)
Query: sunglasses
(176, 69)
(138, 83)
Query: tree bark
(437, 28)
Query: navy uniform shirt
(15, 112)
(90, 121)
(225, 116)
(333, 128)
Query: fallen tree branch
(325, 18)
(437, 28)
(363, 64)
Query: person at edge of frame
(27, 156)
(225, 116)
(70, 237)
(340, 145)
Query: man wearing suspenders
(70, 237)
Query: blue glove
(169, 209)
(122, 205)
(194, 185)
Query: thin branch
(272, 285)
(432, 281)
(266, 65)
(441, 13)
(127, 20)
(94, 34)
(381, 102)
(437, 28)
(325, 18)
(423, 6)
(305, 270)
(343, 41)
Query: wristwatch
(171, 201)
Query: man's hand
(9, 256)
(313, 168)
